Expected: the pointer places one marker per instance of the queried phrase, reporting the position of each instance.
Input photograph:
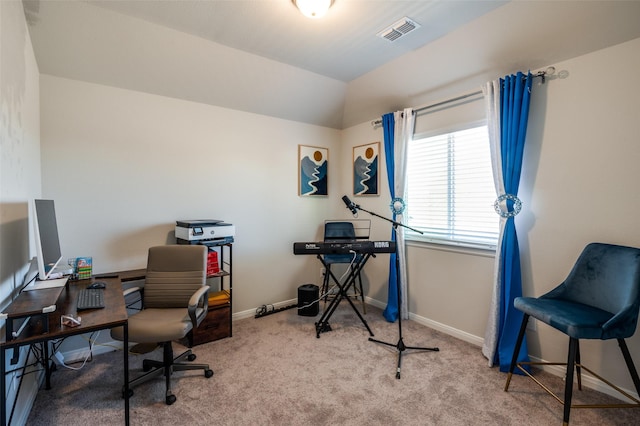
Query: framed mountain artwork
(365, 169)
(313, 163)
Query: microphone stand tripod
(400, 346)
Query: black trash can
(308, 304)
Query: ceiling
(265, 57)
(342, 45)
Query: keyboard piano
(345, 247)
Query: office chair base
(166, 367)
(519, 365)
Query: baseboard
(374, 302)
(250, 313)
(28, 395)
(33, 380)
(79, 355)
(459, 334)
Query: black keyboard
(90, 298)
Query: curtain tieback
(397, 205)
(517, 205)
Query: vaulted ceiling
(263, 56)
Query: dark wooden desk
(130, 275)
(114, 314)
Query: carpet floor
(274, 371)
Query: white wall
(580, 182)
(19, 141)
(375, 274)
(110, 138)
(436, 281)
(19, 172)
(578, 185)
(123, 166)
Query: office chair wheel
(146, 365)
(208, 373)
(170, 399)
(191, 357)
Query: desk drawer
(216, 325)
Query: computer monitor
(48, 250)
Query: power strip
(263, 310)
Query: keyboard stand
(323, 326)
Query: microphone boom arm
(395, 223)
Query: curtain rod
(540, 74)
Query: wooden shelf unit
(217, 325)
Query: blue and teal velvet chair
(599, 299)
(341, 232)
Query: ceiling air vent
(398, 29)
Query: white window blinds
(450, 190)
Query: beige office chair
(175, 301)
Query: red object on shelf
(212, 263)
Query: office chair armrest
(199, 298)
(132, 290)
(135, 303)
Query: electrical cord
(268, 309)
(89, 356)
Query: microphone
(350, 205)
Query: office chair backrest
(174, 273)
(339, 231)
(607, 277)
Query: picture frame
(366, 168)
(313, 166)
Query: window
(450, 191)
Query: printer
(204, 229)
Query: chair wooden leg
(568, 385)
(516, 350)
(630, 366)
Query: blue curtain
(390, 313)
(515, 95)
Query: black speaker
(308, 304)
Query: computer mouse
(97, 284)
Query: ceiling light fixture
(313, 8)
